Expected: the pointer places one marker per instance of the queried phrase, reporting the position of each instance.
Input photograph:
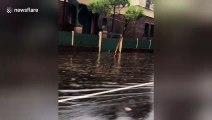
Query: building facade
(74, 13)
(143, 28)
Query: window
(152, 30)
(149, 30)
(148, 3)
(146, 29)
(104, 21)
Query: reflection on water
(84, 73)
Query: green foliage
(133, 13)
(100, 7)
(120, 2)
(106, 6)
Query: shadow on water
(84, 73)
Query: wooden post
(136, 44)
(117, 47)
(100, 41)
(150, 44)
(72, 39)
(120, 44)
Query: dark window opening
(104, 21)
(152, 31)
(148, 3)
(146, 29)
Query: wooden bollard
(100, 41)
(136, 43)
(120, 44)
(72, 39)
(150, 44)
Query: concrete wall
(142, 3)
(147, 12)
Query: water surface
(85, 73)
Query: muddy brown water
(83, 73)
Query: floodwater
(85, 73)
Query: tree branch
(125, 26)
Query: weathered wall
(134, 30)
(69, 17)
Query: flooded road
(90, 73)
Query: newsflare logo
(21, 10)
(9, 10)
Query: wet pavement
(85, 73)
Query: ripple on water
(85, 73)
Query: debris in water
(128, 109)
